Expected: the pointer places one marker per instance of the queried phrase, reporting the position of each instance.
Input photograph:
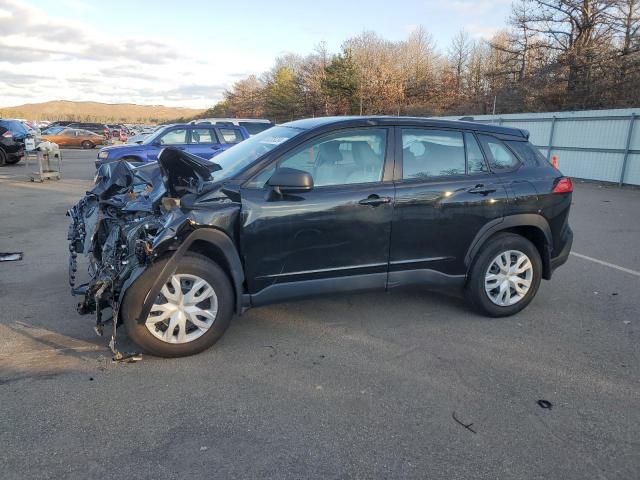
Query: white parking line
(607, 264)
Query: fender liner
(510, 221)
(210, 235)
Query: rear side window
(527, 153)
(202, 135)
(431, 153)
(500, 157)
(475, 159)
(230, 135)
(255, 127)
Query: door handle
(374, 200)
(481, 189)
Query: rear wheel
(87, 145)
(191, 312)
(505, 275)
(3, 157)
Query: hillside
(98, 112)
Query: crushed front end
(131, 217)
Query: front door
(176, 137)
(445, 194)
(332, 238)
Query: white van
(253, 125)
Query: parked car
(253, 125)
(204, 141)
(320, 206)
(12, 136)
(98, 128)
(73, 137)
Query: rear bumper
(562, 257)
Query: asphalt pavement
(400, 385)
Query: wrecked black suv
(318, 206)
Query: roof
(309, 123)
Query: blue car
(204, 141)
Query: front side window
(343, 158)
(500, 157)
(431, 153)
(230, 135)
(201, 135)
(174, 137)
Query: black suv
(319, 206)
(12, 136)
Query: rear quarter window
(529, 154)
(499, 155)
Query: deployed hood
(132, 188)
(182, 169)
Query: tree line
(553, 55)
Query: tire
(486, 272)
(3, 157)
(189, 267)
(87, 145)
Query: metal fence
(595, 145)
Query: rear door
(203, 142)
(229, 136)
(445, 194)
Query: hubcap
(184, 310)
(508, 278)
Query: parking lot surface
(353, 386)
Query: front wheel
(505, 275)
(87, 145)
(191, 312)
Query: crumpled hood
(140, 188)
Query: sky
(158, 52)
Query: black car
(319, 206)
(12, 136)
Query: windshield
(243, 154)
(152, 138)
(53, 130)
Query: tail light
(564, 185)
(7, 134)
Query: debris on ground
(10, 257)
(546, 404)
(465, 425)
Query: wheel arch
(533, 227)
(214, 244)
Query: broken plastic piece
(546, 404)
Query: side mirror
(290, 180)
